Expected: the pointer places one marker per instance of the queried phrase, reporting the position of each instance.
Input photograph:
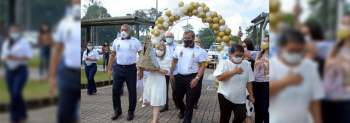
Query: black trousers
(261, 95)
(199, 89)
(183, 87)
(335, 111)
(167, 78)
(226, 108)
(121, 75)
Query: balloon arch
(172, 17)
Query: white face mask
(76, 11)
(292, 58)
(307, 38)
(236, 60)
(124, 34)
(245, 48)
(159, 53)
(106, 43)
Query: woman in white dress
(155, 90)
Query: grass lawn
(31, 90)
(99, 76)
(34, 63)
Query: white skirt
(155, 90)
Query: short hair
(190, 31)
(291, 35)
(126, 25)
(170, 33)
(164, 46)
(237, 48)
(315, 30)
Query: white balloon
(166, 18)
(226, 26)
(208, 14)
(225, 48)
(223, 44)
(162, 31)
(154, 41)
(185, 6)
(220, 56)
(156, 28)
(165, 24)
(179, 13)
(222, 52)
(173, 12)
(200, 9)
(153, 37)
(222, 28)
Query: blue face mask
(188, 43)
(15, 36)
(90, 47)
(169, 40)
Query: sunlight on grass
(99, 76)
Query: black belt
(74, 70)
(188, 74)
(125, 66)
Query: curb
(98, 84)
(32, 103)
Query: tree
(235, 38)
(207, 37)
(148, 14)
(187, 27)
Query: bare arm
(277, 86)
(250, 88)
(296, 14)
(316, 111)
(225, 76)
(55, 59)
(173, 65)
(201, 70)
(111, 61)
(162, 71)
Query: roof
(260, 18)
(131, 20)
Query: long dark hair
(315, 30)
(339, 44)
(262, 52)
(48, 28)
(87, 49)
(249, 45)
(104, 44)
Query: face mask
(264, 45)
(106, 43)
(343, 32)
(124, 34)
(90, 47)
(307, 38)
(188, 43)
(292, 58)
(169, 40)
(199, 44)
(76, 11)
(236, 60)
(45, 28)
(159, 53)
(15, 36)
(245, 48)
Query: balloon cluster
(199, 10)
(275, 15)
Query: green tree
(207, 37)
(235, 38)
(187, 27)
(148, 14)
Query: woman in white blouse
(16, 52)
(235, 75)
(155, 90)
(90, 57)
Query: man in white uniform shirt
(125, 48)
(171, 45)
(189, 56)
(68, 39)
(198, 42)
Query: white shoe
(144, 105)
(140, 100)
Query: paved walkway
(41, 115)
(99, 108)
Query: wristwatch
(197, 77)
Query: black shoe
(181, 115)
(164, 109)
(195, 106)
(177, 106)
(130, 117)
(116, 115)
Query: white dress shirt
(19, 49)
(234, 89)
(93, 54)
(68, 33)
(188, 59)
(126, 50)
(170, 53)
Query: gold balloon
(213, 14)
(171, 18)
(279, 15)
(170, 23)
(177, 17)
(160, 26)
(196, 5)
(165, 28)
(217, 66)
(217, 87)
(219, 48)
(160, 20)
(274, 5)
(206, 9)
(204, 19)
(216, 32)
(225, 39)
(168, 13)
(189, 8)
(216, 20)
(191, 3)
(190, 14)
(218, 39)
(209, 19)
(217, 82)
(221, 34)
(157, 23)
(181, 4)
(273, 19)
(227, 31)
(185, 12)
(203, 5)
(202, 14)
(156, 33)
(230, 37)
(152, 31)
(211, 25)
(220, 17)
(222, 22)
(216, 26)
(194, 12)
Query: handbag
(148, 59)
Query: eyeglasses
(169, 36)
